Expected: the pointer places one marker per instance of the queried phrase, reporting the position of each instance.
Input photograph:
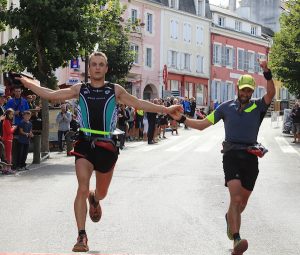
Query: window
(199, 35)
(199, 94)
(199, 64)
(172, 58)
(187, 62)
(221, 21)
(260, 56)
(149, 57)
(229, 57)
(173, 4)
(149, 22)
(238, 25)
(259, 92)
(241, 59)
(135, 48)
(217, 54)
(253, 30)
(200, 8)
(187, 32)
(133, 16)
(174, 29)
(216, 91)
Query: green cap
(246, 81)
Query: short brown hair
(98, 53)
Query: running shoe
(81, 245)
(229, 234)
(95, 208)
(239, 246)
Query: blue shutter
(233, 58)
(212, 90)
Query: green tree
(53, 32)
(285, 52)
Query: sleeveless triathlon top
(97, 110)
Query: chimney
(232, 5)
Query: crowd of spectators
(19, 116)
(151, 127)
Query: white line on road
(285, 146)
(185, 143)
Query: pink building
(236, 45)
(144, 78)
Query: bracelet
(268, 75)
(182, 119)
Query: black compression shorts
(102, 158)
(241, 165)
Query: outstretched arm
(49, 94)
(268, 97)
(124, 97)
(196, 124)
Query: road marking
(285, 146)
(160, 144)
(185, 143)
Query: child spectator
(8, 135)
(25, 133)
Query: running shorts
(241, 165)
(102, 158)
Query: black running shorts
(241, 165)
(102, 158)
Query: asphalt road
(167, 198)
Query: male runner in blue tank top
(95, 148)
(242, 118)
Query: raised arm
(124, 97)
(49, 94)
(268, 97)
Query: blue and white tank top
(97, 109)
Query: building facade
(143, 80)
(237, 44)
(185, 49)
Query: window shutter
(246, 61)
(212, 90)
(214, 54)
(233, 58)
(223, 55)
(169, 58)
(256, 63)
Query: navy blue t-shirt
(240, 126)
(26, 126)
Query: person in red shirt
(8, 135)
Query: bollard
(36, 149)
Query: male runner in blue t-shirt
(242, 118)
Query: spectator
(151, 116)
(122, 118)
(18, 104)
(63, 119)
(193, 107)
(74, 124)
(25, 133)
(8, 131)
(173, 123)
(2, 107)
(30, 102)
(130, 122)
(295, 114)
